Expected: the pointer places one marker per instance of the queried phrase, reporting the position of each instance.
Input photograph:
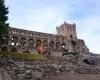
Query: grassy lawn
(23, 56)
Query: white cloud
(38, 19)
(87, 28)
(44, 16)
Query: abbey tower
(68, 30)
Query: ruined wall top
(68, 30)
(66, 35)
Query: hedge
(69, 53)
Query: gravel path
(76, 77)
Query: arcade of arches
(32, 43)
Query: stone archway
(63, 46)
(71, 36)
(38, 42)
(14, 40)
(45, 43)
(5, 40)
(73, 43)
(57, 46)
(23, 41)
(31, 42)
(51, 45)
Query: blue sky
(45, 15)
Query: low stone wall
(17, 69)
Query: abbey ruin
(69, 67)
(21, 40)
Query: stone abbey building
(21, 40)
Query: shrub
(69, 53)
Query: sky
(45, 15)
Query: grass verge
(23, 56)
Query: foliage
(3, 32)
(3, 12)
(23, 56)
(69, 53)
(3, 18)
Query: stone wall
(15, 69)
(68, 30)
(27, 41)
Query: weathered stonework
(26, 41)
(17, 69)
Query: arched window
(63, 46)
(51, 45)
(23, 41)
(57, 45)
(38, 42)
(45, 43)
(14, 40)
(71, 36)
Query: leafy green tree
(3, 25)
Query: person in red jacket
(41, 49)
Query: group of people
(89, 61)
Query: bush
(69, 53)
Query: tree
(3, 25)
